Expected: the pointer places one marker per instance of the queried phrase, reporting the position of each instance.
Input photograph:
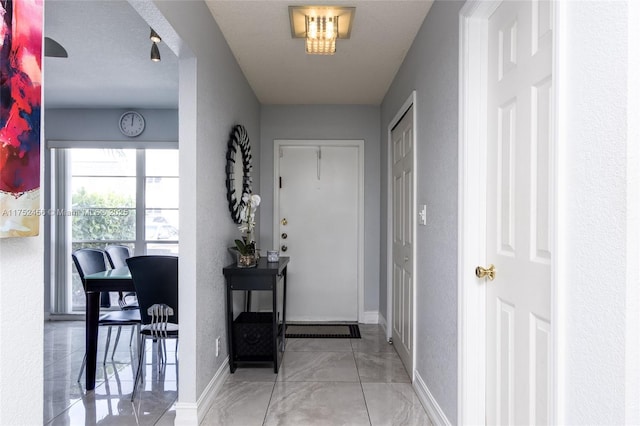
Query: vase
(247, 260)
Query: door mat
(323, 331)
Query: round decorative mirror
(238, 170)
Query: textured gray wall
(431, 68)
(96, 124)
(214, 95)
(328, 122)
(22, 326)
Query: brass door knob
(284, 222)
(489, 272)
(283, 248)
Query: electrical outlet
(218, 346)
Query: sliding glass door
(161, 201)
(110, 196)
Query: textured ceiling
(108, 45)
(280, 72)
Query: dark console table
(257, 336)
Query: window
(161, 207)
(112, 196)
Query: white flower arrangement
(248, 212)
(248, 223)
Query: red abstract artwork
(20, 111)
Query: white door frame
(411, 101)
(473, 48)
(277, 144)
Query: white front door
(402, 151)
(518, 242)
(317, 226)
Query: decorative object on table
(238, 170)
(21, 87)
(273, 256)
(246, 253)
(246, 247)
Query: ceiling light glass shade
(155, 37)
(318, 25)
(320, 47)
(155, 53)
(322, 32)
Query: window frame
(59, 238)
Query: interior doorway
(507, 214)
(402, 148)
(401, 231)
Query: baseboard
(189, 413)
(64, 317)
(369, 317)
(435, 413)
(186, 414)
(383, 322)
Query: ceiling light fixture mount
(154, 37)
(321, 26)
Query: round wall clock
(131, 123)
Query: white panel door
(318, 228)
(518, 214)
(402, 195)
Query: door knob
(284, 235)
(284, 222)
(489, 272)
(283, 248)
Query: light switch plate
(422, 215)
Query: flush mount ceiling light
(321, 26)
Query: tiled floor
(67, 403)
(321, 382)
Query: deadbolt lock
(284, 235)
(489, 272)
